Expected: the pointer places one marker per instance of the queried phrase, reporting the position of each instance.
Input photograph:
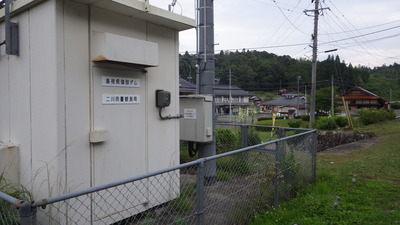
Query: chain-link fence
(268, 167)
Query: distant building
(358, 97)
(282, 92)
(225, 96)
(186, 88)
(234, 97)
(287, 104)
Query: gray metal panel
(196, 124)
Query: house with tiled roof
(231, 97)
(287, 104)
(358, 97)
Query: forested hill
(267, 72)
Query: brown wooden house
(358, 97)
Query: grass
(374, 197)
(229, 167)
(8, 212)
(184, 203)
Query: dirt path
(346, 148)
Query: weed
(231, 166)
(8, 212)
(180, 221)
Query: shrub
(325, 123)
(371, 116)
(294, 123)
(341, 121)
(226, 140)
(264, 118)
(270, 118)
(395, 105)
(305, 117)
(253, 138)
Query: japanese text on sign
(109, 81)
(120, 99)
(189, 114)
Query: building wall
(49, 101)
(32, 105)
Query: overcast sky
(365, 32)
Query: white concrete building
(77, 106)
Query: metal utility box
(196, 124)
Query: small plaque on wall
(120, 99)
(109, 81)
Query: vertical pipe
(27, 214)
(206, 78)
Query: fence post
(279, 156)
(277, 172)
(244, 134)
(314, 156)
(27, 214)
(200, 194)
(281, 132)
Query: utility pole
(314, 65)
(230, 95)
(332, 98)
(298, 95)
(305, 100)
(206, 77)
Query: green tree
(324, 98)
(187, 67)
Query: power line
(353, 33)
(365, 28)
(362, 35)
(283, 35)
(323, 43)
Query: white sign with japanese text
(120, 99)
(108, 81)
